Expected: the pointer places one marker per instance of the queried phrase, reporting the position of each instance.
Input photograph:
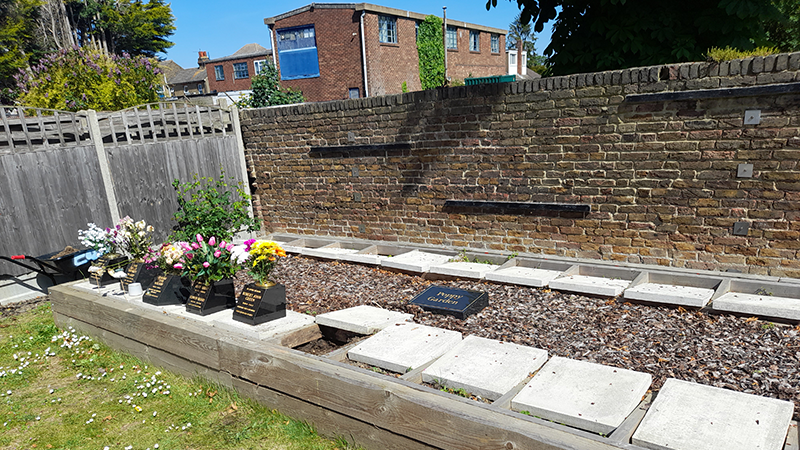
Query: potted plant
(169, 287)
(263, 300)
(134, 240)
(106, 244)
(210, 267)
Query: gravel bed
(737, 353)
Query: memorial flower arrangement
(166, 256)
(103, 241)
(207, 261)
(134, 238)
(260, 257)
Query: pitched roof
(195, 74)
(169, 67)
(248, 51)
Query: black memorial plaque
(138, 272)
(208, 299)
(258, 304)
(130, 275)
(167, 290)
(455, 302)
(105, 262)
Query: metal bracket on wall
(741, 228)
(744, 171)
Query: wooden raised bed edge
(372, 410)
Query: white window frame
(219, 72)
(387, 29)
(474, 38)
(259, 66)
(495, 43)
(236, 73)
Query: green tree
(519, 32)
(430, 49)
(267, 90)
(598, 35)
(785, 32)
(17, 42)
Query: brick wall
(660, 174)
(230, 83)
(389, 65)
(339, 53)
(463, 63)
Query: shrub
(206, 207)
(430, 49)
(267, 91)
(728, 53)
(81, 78)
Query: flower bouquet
(133, 239)
(210, 267)
(263, 300)
(106, 243)
(168, 288)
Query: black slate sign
(455, 302)
(167, 290)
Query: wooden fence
(61, 170)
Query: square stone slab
(292, 321)
(404, 346)
(584, 284)
(524, 276)
(464, 269)
(362, 319)
(696, 297)
(329, 252)
(485, 367)
(689, 416)
(364, 258)
(583, 395)
(415, 261)
(759, 305)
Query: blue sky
(222, 27)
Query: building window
(240, 71)
(416, 31)
(512, 58)
(219, 73)
(297, 53)
(495, 43)
(185, 89)
(452, 38)
(353, 93)
(387, 26)
(474, 41)
(259, 66)
(200, 88)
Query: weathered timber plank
(299, 337)
(327, 422)
(442, 420)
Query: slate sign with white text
(455, 302)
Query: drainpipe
(364, 55)
(274, 46)
(444, 36)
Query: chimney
(202, 59)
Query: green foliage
(784, 32)
(403, 87)
(17, 42)
(85, 79)
(596, 35)
(430, 48)
(539, 64)
(267, 91)
(206, 207)
(728, 53)
(519, 32)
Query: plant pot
(259, 304)
(137, 272)
(210, 298)
(106, 262)
(168, 290)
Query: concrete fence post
(237, 132)
(105, 168)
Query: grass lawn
(62, 390)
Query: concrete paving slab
(459, 269)
(759, 305)
(293, 321)
(375, 254)
(689, 416)
(362, 319)
(485, 367)
(524, 276)
(584, 284)
(335, 253)
(23, 287)
(416, 261)
(696, 297)
(584, 395)
(404, 346)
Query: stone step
(416, 261)
(403, 347)
(375, 254)
(583, 395)
(595, 280)
(460, 269)
(485, 367)
(689, 416)
(693, 291)
(335, 251)
(528, 272)
(362, 319)
(771, 300)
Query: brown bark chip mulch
(736, 353)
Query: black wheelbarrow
(71, 266)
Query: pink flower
(178, 266)
(195, 245)
(199, 237)
(213, 241)
(217, 253)
(229, 247)
(248, 243)
(206, 264)
(189, 256)
(223, 244)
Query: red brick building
(234, 72)
(325, 49)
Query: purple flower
(206, 264)
(248, 243)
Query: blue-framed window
(387, 29)
(297, 52)
(240, 71)
(495, 43)
(452, 38)
(474, 41)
